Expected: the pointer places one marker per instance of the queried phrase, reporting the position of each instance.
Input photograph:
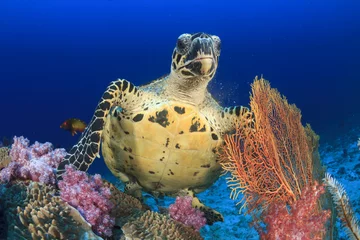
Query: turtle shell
(166, 148)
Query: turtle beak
(207, 65)
(202, 66)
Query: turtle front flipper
(119, 93)
(210, 214)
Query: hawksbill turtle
(163, 137)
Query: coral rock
(124, 205)
(34, 212)
(152, 225)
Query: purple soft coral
(36, 163)
(90, 197)
(183, 211)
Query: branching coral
(152, 225)
(274, 162)
(33, 212)
(123, 205)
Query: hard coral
(151, 225)
(36, 162)
(90, 197)
(33, 212)
(183, 211)
(124, 205)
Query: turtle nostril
(204, 35)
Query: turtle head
(196, 56)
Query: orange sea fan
(274, 162)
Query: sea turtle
(163, 137)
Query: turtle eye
(217, 44)
(183, 43)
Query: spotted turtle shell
(165, 148)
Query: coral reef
(82, 207)
(10, 198)
(3, 227)
(183, 211)
(303, 221)
(152, 225)
(4, 157)
(90, 197)
(123, 205)
(34, 212)
(36, 162)
(274, 165)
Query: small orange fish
(73, 125)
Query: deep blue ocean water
(58, 56)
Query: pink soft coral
(36, 162)
(304, 222)
(90, 197)
(183, 211)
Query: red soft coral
(36, 162)
(183, 211)
(303, 222)
(90, 197)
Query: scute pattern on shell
(172, 142)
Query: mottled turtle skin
(163, 137)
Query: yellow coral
(4, 157)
